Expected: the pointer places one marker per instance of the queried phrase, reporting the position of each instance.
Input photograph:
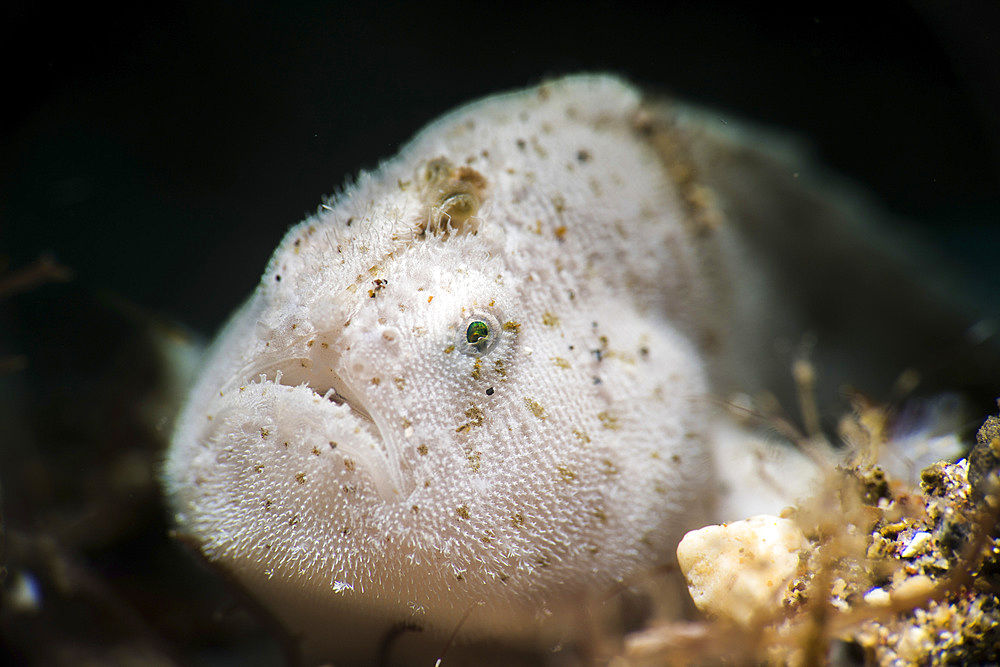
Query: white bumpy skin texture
(465, 391)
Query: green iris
(478, 333)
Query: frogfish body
(474, 390)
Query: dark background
(161, 152)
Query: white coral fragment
(740, 570)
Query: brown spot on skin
(595, 187)
(609, 467)
(400, 383)
(550, 320)
(475, 460)
(608, 420)
(511, 325)
(300, 478)
(449, 349)
(583, 155)
(601, 516)
(535, 407)
(582, 436)
(422, 450)
(517, 519)
(499, 368)
(349, 464)
(414, 508)
(475, 416)
(463, 511)
(259, 468)
(315, 451)
(560, 233)
(264, 432)
(539, 149)
(294, 519)
(566, 473)
(561, 363)
(333, 444)
(376, 381)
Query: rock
(740, 570)
(984, 459)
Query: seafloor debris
(891, 575)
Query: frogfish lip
(315, 364)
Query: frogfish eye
(479, 334)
